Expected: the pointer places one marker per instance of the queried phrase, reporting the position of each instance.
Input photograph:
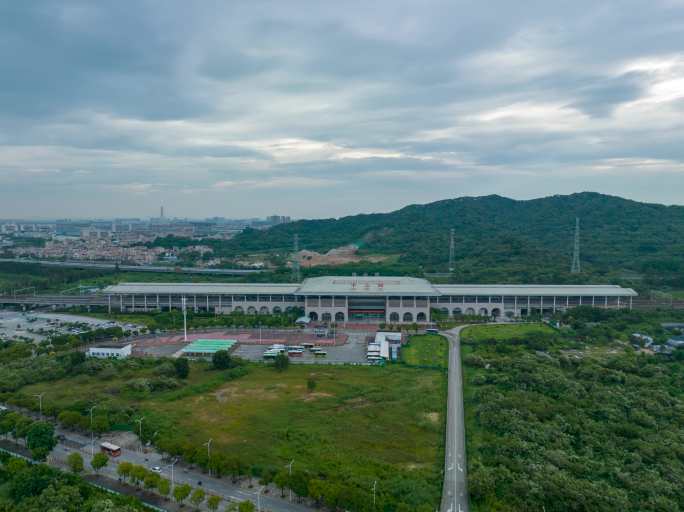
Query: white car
(156, 469)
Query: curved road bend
(455, 491)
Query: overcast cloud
(319, 109)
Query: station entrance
(366, 309)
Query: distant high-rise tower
(452, 250)
(575, 268)
(296, 274)
(161, 212)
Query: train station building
(366, 298)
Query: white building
(366, 298)
(111, 351)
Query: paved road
(455, 491)
(181, 474)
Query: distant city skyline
(314, 110)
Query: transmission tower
(575, 268)
(452, 250)
(296, 274)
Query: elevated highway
(134, 268)
(54, 300)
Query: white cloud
(233, 103)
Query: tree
(310, 384)
(221, 360)
(58, 496)
(21, 427)
(299, 483)
(281, 480)
(181, 492)
(99, 461)
(124, 470)
(182, 367)
(246, 506)
(69, 419)
(151, 480)
(281, 362)
(40, 439)
(75, 462)
(138, 474)
(213, 502)
(164, 487)
(77, 357)
(197, 497)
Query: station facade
(366, 298)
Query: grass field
(426, 350)
(358, 423)
(503, 331)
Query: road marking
(460, 468)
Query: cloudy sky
(319, 109)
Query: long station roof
(599, 290)
(201, 288)
(364, 286)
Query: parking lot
(37, 326)
(346, 347)
(352, 352)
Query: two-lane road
(455, 491)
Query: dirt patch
(225, 394)
(337, 256)
(412, 465)
(357, 403)
(432, 417)
(315, 396)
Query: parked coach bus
(110, 449)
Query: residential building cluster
(93, 248)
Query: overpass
(53, 300)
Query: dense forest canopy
(497, 237)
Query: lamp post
(92, 433)
(40, 403)
(139, 421)
(259, 498)
(375, 484)
(185, 318)
(173, 463)
(208, 445)
(290, 472)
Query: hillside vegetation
(498, 238)
(574, 419)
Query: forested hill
(503, 239)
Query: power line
(575, 268)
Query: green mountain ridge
(503, 239)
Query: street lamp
(92, 434)
(259, 498)
(290, 470)
(185, 318)
(375, 484)
(208, 445)
(139, 422)
(40, 403)
(173, 463)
